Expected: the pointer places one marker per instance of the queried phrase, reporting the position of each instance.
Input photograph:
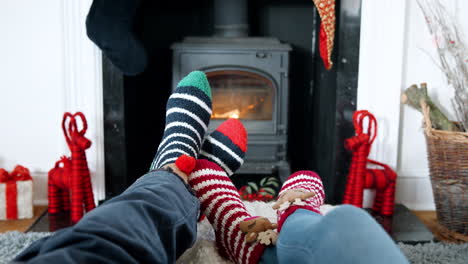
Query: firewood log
(413, 96)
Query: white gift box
(23, 200)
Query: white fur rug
(204, 250)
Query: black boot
(109, 24)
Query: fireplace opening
(241, 95)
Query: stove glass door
(241, 94)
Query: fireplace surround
(320, 103)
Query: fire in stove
(251, 111)
(241, 95)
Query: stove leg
(284, 170)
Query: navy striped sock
(187, 116)
(226, 146)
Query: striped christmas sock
(221, 203)
(226, 146)
(300, 184)
(187, 117)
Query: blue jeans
(153, 221)
(345, 235)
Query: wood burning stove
(249, 81)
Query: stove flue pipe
(231, 18)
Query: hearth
(249, 81)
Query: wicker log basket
(448, 166)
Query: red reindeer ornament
(69, 181)
(360, 177)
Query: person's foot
(226, 146)
(187, 117)
(302, 190)
(221, 203)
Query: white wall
(397, 51)
(47, 67)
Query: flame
(230, 114)
(235, 115)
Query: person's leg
(221, 203)
(302, 190)
(269, 256)
(345, 235)
(153, 221)
(219, 198)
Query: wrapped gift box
(16, 194)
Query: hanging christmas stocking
(326, 10)
(109, 25)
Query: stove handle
(262, 55)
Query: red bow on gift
(20, 173)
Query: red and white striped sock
(307, 181)
(221, 203)
(226, 146)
